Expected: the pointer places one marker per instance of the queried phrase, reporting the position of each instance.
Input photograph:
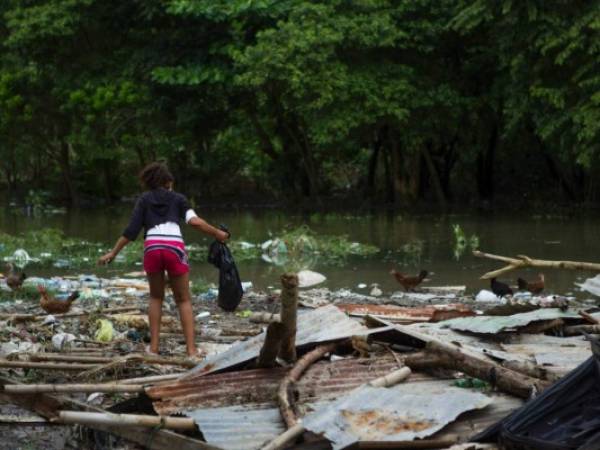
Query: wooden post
(289, 313)
(45, 365)
(271, 346)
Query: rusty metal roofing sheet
(249, 426)
(398, 413)
(431, 313)
(323, 324)
(322, 380)
(497, 324)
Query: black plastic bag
(230, 285)
(566, 416)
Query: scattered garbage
(62, 340)
(308, 278)
(105, 332)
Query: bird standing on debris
(409, 283)
(53, 305)
(535, 286)
(14, 280)
(500, 289)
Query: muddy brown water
(547, 237)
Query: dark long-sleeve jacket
(154, 208)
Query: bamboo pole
(38, 317)
(522, 261)
(71, 388)
(45, 366)
(69, 358)
(125, 420)
(153, 379)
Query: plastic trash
(230, 284)
(62, 263)
(62, 340)
(49, 320)
(246, 285)
(105, 331)
(361, 286)
(308, 278)
(488, 296)
(203, 315)
(375, 291)
(209, 295)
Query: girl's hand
(221, 235)
(107, 258)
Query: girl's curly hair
(156, 175)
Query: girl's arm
(203, 226)
(108, 257)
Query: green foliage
(388, 100)
(462, 242)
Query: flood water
(545, 237)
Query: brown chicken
(535, 287)
(54, 306)
(409, 283)
(14, 280)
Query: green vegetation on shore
(372, 101)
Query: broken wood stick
(283, 440)
(39, 317)
(70, 388)
(591, 319)
(284, 394)
(264, 317)
(45, 365)
(272, 345)
(522, 261)
(289, 313)
(125, 420)
(576, 330)
(417, 444)
(506, 380)
(123, 361)
(69, 358)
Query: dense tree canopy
(399, 102)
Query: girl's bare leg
(157, 295)
(181, 292)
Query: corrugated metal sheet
(323, 324)
(399, 413)
(431, 313)
(249, 426)
(322, 380)
(240, 427)
(497, 324)
(559, 355)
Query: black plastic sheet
(566, 416)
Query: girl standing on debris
(159, 211)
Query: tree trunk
(64, 162)
(485, 166)
(372, 169)
(434, 176)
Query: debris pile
(327, 369)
